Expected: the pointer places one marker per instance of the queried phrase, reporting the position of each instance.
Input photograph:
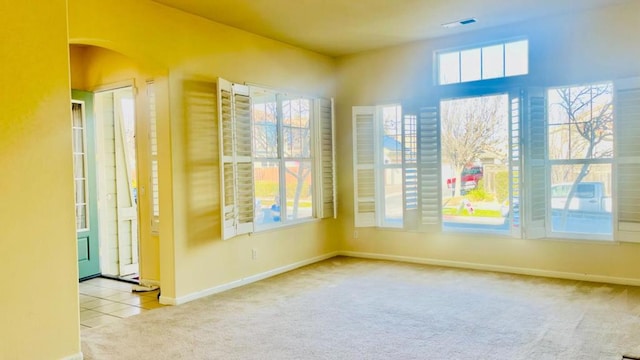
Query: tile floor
(105, 300)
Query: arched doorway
(121, 208)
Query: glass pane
(81, 217)
(581, 122)
(581, 198)
(296, 119)
(78, 166)
(266, 177)
(449, 68)
(392, 138)
(516, 58)
(80, 192)
(77, 115)
(78, 140)
(492, 62)
(475, 166)
(559, 143)
(393, 197)
(265, 131)
(299, 190)
(556, 112)
(471, 65)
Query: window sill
(283, 226)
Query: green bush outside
(502, 186)
(479, 193)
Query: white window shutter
(627, 161)
(227, 156)
(236, 172)
(535, 164)
(410, 166)
(325, 125)
(429, 169)
(153, 144)
(364, 166)
(515, 163)
(244, 165)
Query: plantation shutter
(153, 144)
(236, 172)
(326, 150)
(429, 169)
(627, 163)
(244, 164)
(535, 164)
(364, 150)
(515, 163)
(410, 166)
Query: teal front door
(84, 174)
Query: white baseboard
(248, 280)
(427, 261)
(77, 356)
(498, 268)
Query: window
(454, 167)
(282, 157)
(385, 156)
(80, 165)
(580, 151)
(277, 164)
(488, 62)
(475, 163)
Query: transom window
(481, 63)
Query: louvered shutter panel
(535, 164)
(326, 150)
(227, 159)
(153, 143)
(410, 167)
(244, 166)
(515, 163)
(429, 169)
(364, 149)
(627, 170)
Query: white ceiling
(339, 27)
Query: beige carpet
(345, 308)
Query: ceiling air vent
(460, 22)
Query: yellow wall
(195, 52)
(39, 273)
(586, 47)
